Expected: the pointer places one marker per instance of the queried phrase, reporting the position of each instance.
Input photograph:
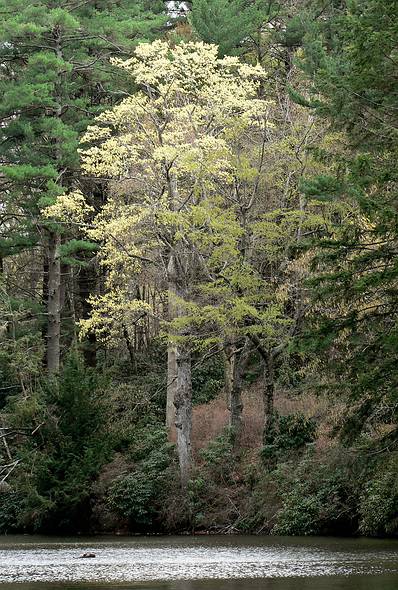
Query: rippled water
(198, 563)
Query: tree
(55, 77)
(167, 148)
(351, 56)
(229, 23)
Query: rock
(87, 555)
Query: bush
(379, 501)
(292, 433)
(262, 501)
(319, 496)
(207, 380)
(132, 497)
(64, 457)
(10, 510)
(218, 455)
(213, 483)
(137, 496)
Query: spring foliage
(224, 184)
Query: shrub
(132, 497)
(292, 433)
(137, 496)
(214, 484)
(207, 380)
(379, 501)
(218, 455)
(65, 456)
(10, 510)
(319, 496)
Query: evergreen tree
(351, 56)
(229, 23)
(56, 75)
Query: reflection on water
(198, 563)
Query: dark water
(198, 563)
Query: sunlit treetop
(188, 111)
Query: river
(198, 563)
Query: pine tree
(229, 23)
(351, 57)
(56, 75)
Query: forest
(199, 267)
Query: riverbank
(306, 484)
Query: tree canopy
(198, 276)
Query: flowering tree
(165, 149)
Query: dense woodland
(199, 266)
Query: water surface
(198, 563)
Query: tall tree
(230, 23)
(168, 148)
(55, 76)
(351, 58)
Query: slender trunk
(229, 363)
(183, 408)
(233, 384)
(44, 296)
(65, 275)
(179, 374)
(72, 302)
(130, 348)
(87, 283)
(179, 382)
(53, 304)
(171, 387)
(236, 405)
(171, 362)
(54, 243)
(172, 280)
(235, 365)
(269, 394)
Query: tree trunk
(87, 282)
(269, 393)
(171, 360)
(44, 296)
(53, 304)
(171, 387)
(179, 382)
(179, 372)
(229, 363)
(183, 413)
(235, 365)
(54, 239)
(233, 387)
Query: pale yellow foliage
(112, 311)
(69, 207)
(166, 149)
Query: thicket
(186, 226)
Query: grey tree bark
(53, 304)
(235, 365)
(54, 242)
(269, 399)
(183, 417)
(179, 380)
(171, 360)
